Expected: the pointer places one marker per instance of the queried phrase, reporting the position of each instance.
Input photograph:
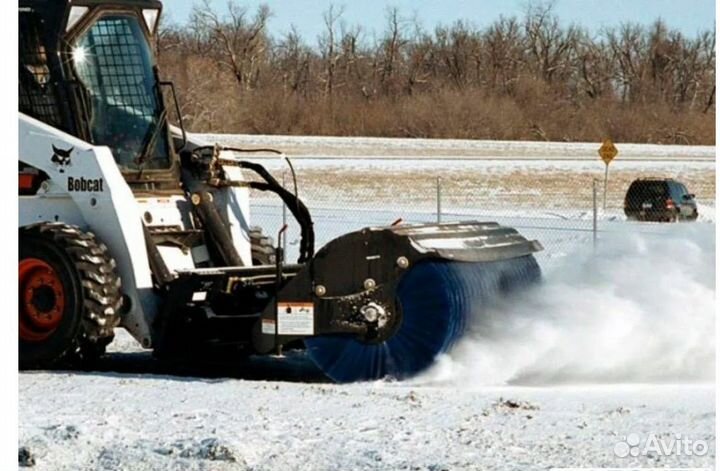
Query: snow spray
(640, 308)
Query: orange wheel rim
(42, 300)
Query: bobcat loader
(125, 222)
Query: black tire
(262, 247)
(90, 290)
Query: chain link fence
(563, 204)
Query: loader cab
(87, 67)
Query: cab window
(37, 96)
(113, 60)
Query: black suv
(661, 200)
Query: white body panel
(112, 214)
(49, 207)
(111, 211)
(168, 211)
(234, 204)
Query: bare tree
(460, 51)
(420, 58)
(548, 43)
(238, 42)
(504, 53)
(593, 66)
(293, 63)
(329, 46)
(352, 55)
(628, 46)
(393, 42)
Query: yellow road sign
(607, 151)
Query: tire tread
(101, 290)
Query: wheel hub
(382, 321)
(42, 300)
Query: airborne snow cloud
(639, 309)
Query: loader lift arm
(204, 162)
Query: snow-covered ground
(372, 173)
(149, 423)
(384, 148)
(483, 183)
(616, 344)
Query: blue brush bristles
(438, 299)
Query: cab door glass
(114, 62)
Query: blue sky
(689, 16)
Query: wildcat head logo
(61, 157)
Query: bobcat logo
(61, 158)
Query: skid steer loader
(127, 222)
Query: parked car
(660, 200)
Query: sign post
(607, 152)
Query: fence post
(595, 212)
(284, 218)
(439, 201)
(607, 169)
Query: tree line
(527, 77)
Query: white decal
(296, 318)
(268, 326)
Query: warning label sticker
(268, 326)
(295, 318)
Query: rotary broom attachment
(437, 301)
(387, 301)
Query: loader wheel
(262, 247)
(69, 299)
